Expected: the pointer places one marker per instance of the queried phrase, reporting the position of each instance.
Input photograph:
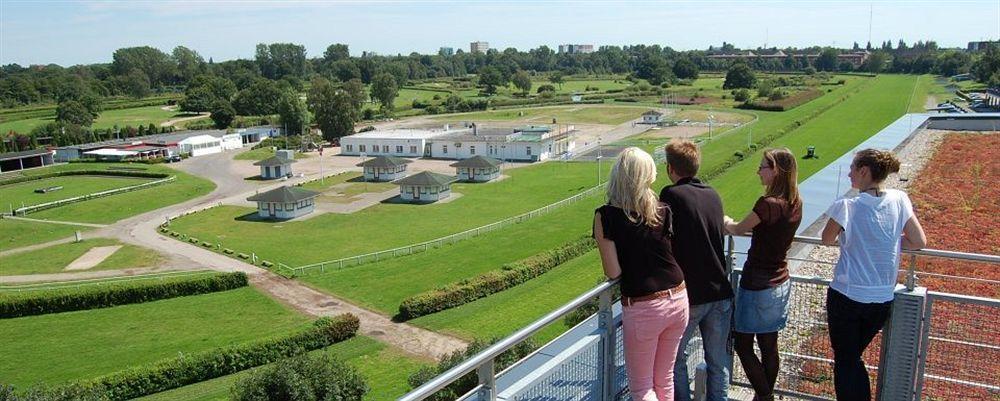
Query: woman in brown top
(633, 237)
(762, 299)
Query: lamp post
(598, 160)
(711, 119)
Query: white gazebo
(477, 169)
(275, 167)
(425, 187)
(652, 117)
(284, 203)
(384, 168)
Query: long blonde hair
(628, 186)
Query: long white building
(531, 143)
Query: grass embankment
(68, 346)
(18, 233)
(135, 117)
(388, 225)
(55, 258)
(21, 194)
(385, 369)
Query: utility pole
(598, 160)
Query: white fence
(48, 205)
(423, 246)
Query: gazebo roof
(274, 161)
(478, 161)
(285, 194)
(384, 161)
(652, 113)
(426, 178)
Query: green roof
(384, 161)
(285, 194)
(426, 178)
(477, 161)
(274, 161)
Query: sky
(84, 32)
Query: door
(270, 209)
(416, 192)
(376, 170)
(427, 150)
(472, 174)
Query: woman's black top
(644, 252)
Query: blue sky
(81, 32)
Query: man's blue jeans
(714, 320)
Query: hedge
(188, 369)
(55, 301)
(303, 377)
(509, 275)
(785, 104)
(117, 173)
(468, 381)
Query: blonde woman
(634, 238)
(762, 297)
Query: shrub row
(55, 301)
(303, 377)
(469, 381)
(509, 275)
(188, 369)
(117, 173)
(785, 104)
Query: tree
(546, 88)
(557, 78)
(151, 61)
(223, 113)
(336, 52)
(335, 111)
(219, 87)
(356, 90)
(987, 68)
(345, 70)
(136, 84)
(258, 99)
(522, 81)
(685, 69)
(739, 76)
(73, 112)
(490, 78)
(661, 74)
(827, 60)
(293, 113)
(189, 63)
(277, 60)
(875, 62)
(384, 90)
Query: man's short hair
(684, 157)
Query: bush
(466, 383)
(55, 301)
(782, 102)
(65, 393)
(741, 95)
(302, 377)
(188, 369)
(115, 173)
(509, 275)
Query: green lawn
(387, 225)
(385, 369)
(54, 259)
(17, 233)
(503, 313)
(122, 117)
(582, 114)
(263, 153)
(21, 194)
(346, 186)
(77, 345)
(383, 285)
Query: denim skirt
(762, 311)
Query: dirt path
(69, 223)
(93, 257)
(173, 121)
(37, 246)
(87, 275)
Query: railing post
(911, 273)
(902, 346)
(487, 381)
(606, 324)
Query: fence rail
(434, 243)
(49, 205)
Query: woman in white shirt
(870, 229)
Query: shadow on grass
(253, 217)
(262, 179)
(398, 200)
(363, 180)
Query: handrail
(487, 355)
(975, 257)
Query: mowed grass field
(135, 117)
(23, 194)
(54, 259)
(70, 346)
(385, 369)
(582, 114)
(388, 225)
(18, 233)
(263, 153)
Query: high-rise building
(446, 51)
(576, 49)
(479, 47)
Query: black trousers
(853, 325)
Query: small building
(384, 168)
(200, 145)
(285, 203)
(276, 166)
(425, 186)
(110, 154)
(477, 169)
(25, 159)
(652, 117)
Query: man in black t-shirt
(699, 231)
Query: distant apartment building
(446, 51)
(982, 45)
(856, 58)
(576, 49)
(479, 47)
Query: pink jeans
(652, 331)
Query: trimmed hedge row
(785, 104)
(117, 173)
(509, 275)
(188, 369)
(55, 301)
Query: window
(434, 190)
(385, 148)
(529, 150)
(413, 149)
(277, 206)
(289, 206)
(444, 149)
(361, 148)
(472, 150)
(350, 148)
(399, 149)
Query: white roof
(111, 152)
(399, 134)
(199, 139)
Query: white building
(395, 142)
(479, 47)
(425, 186)
(200, 145)
(477, 169)
(652, 117)
(531, 143)
(384, 168)
(231, 141)
(277, 166)
(285, 202)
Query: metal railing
(434, 243)
(22, 211)
(806, 371)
